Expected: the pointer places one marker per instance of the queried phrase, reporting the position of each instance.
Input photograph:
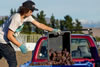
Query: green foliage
(62, 25)
(27, 28)
(77, 26)
(66, 24)
(1, 21)
(41, 18)
(12, 11)
(52, 21)
(57, 24)
(97, 39)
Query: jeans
(8, 52)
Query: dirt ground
(21, 59)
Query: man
(13, 25)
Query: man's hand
(23, 49)
(57, 30)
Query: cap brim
(35, 9)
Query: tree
(57, 24)
(1, 21)
(41, 19)
(52, 21)
(27, 28)
(68, 22)
(68, 25)
(62, 25)
(97, 39)
(12, 11)
(78, 26)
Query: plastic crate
(79, 64)
(59, 41)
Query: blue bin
(78, 64)
(26, 64)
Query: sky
(84, 10)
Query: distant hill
(92, 25)
(47, 19)
(96, 31)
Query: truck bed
(78, 64)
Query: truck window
(80, 48)
(43, 53)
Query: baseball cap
(30, 5)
